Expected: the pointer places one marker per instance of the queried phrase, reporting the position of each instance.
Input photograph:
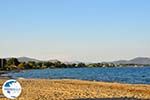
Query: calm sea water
(133, 75)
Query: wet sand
(42, 89)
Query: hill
(138, 60)
(27, 59)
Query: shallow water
(133, 75)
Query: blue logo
(11, 89)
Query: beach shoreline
(4, 75)
(68, 89)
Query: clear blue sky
(84, 30)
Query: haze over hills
(138, 60)
(26, 59)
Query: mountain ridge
(137, 60)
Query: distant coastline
(23, 63)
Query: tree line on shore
(14, 64)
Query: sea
(131, 75)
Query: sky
(75, 30)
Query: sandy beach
(42, 89)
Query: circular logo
(11, 89)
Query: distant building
(2, 63)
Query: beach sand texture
(42, 89)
